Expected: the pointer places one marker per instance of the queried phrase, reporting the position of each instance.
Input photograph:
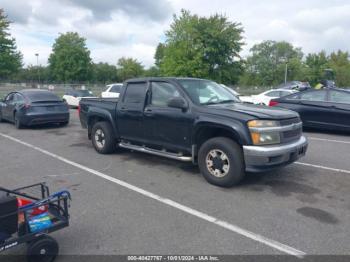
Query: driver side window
(162, 92)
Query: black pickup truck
(195, 120)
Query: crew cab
(195, 120)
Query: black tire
(103, 131)
(219, 172)
(43, 249)
(1, 117)
(17, 121)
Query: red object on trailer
(21, 202)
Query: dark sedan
(32, 107)
(326, 108)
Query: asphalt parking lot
(132, 203)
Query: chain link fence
(96, 89)
(59, 89)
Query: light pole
(286, 73)
(37, 65)
(285, 60)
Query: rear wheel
(103, 138)
(0, 117)
(221, 162)
(17, 121)
(43, 249)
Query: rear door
(340, 102)
(9, 106)
(314, 109)
(130, 112)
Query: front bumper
(262, 158)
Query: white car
(112, 91)
(73, 97)
(265, 97)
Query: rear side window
(314, 96)
(284, 93)
(273, 94)
(116, 89)
(135, 93)
(19, 98)
(339, 97)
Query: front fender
(237, 128)
(102, 114)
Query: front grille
(286, 122)
(290, 135)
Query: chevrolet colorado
(195, 120)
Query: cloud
(157, 10)
(133, 28)
(18, 11)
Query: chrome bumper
(261, 158)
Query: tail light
(79, 109)
(273, 103)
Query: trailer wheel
(43, 249)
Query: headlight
(265, 138)
(262, 123)
(260, 133)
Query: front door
(166, 126)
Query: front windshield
(205, 92)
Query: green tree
(152, 72)
(266, 66)
(129, 68)
(104, 73)
(315, 64)
(10, 58)
(33, 73)
(70, 58)
(339, 62)
(202, 47)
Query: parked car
(72, 97)
(194, 120)
(265, 97)
(112, 90)
(295, 85)
(31, 107)
(326, 108)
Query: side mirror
(177, 102)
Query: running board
(156, 152)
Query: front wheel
(103, 138)
(44, 249)
(221, 162)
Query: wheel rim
(218, 163)
(100, 138)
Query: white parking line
(328, 140)
(231, 227)
(324, 167)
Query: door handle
(148, 110)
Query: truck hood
(261, 112)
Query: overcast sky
(133, 28)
